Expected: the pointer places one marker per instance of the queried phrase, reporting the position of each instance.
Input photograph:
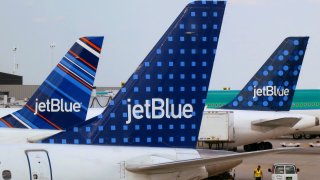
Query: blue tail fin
(63, 98)
(161, 104)
(273, 86)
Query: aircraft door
(39, 165)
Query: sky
(251, 31)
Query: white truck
(217, 128)
(284, 171)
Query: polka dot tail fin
(272, 87)
(161, 104)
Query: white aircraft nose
(306, 122)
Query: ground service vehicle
(284, 171)
(222, 122)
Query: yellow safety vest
(258, 173)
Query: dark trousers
(258, 178)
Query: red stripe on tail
(54, 125)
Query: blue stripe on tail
(68, 86)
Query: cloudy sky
(251, 31)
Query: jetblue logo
(56, 105)
(157, 109)
(270, 91)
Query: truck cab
(284, 171)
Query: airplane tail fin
(62, 99)
(273, 86)
(162, 102)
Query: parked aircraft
(61, 101)
(304, 100)
(150, 128)
(268, 97)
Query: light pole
(14, 51)
(52, 46)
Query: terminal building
(8, 80)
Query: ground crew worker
(257, 173)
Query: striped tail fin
(62, 99)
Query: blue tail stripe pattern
(63, 98)
(81, 64)
(272, 87)
(71, 79)
(77, 70)
(26, 121)
(161, 104)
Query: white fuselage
(246, 133)
(47, 161)
(312, 112)
(18, 135)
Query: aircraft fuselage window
(6, 175)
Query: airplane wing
(284, 122)
(148, 168)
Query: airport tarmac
(306, 159)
